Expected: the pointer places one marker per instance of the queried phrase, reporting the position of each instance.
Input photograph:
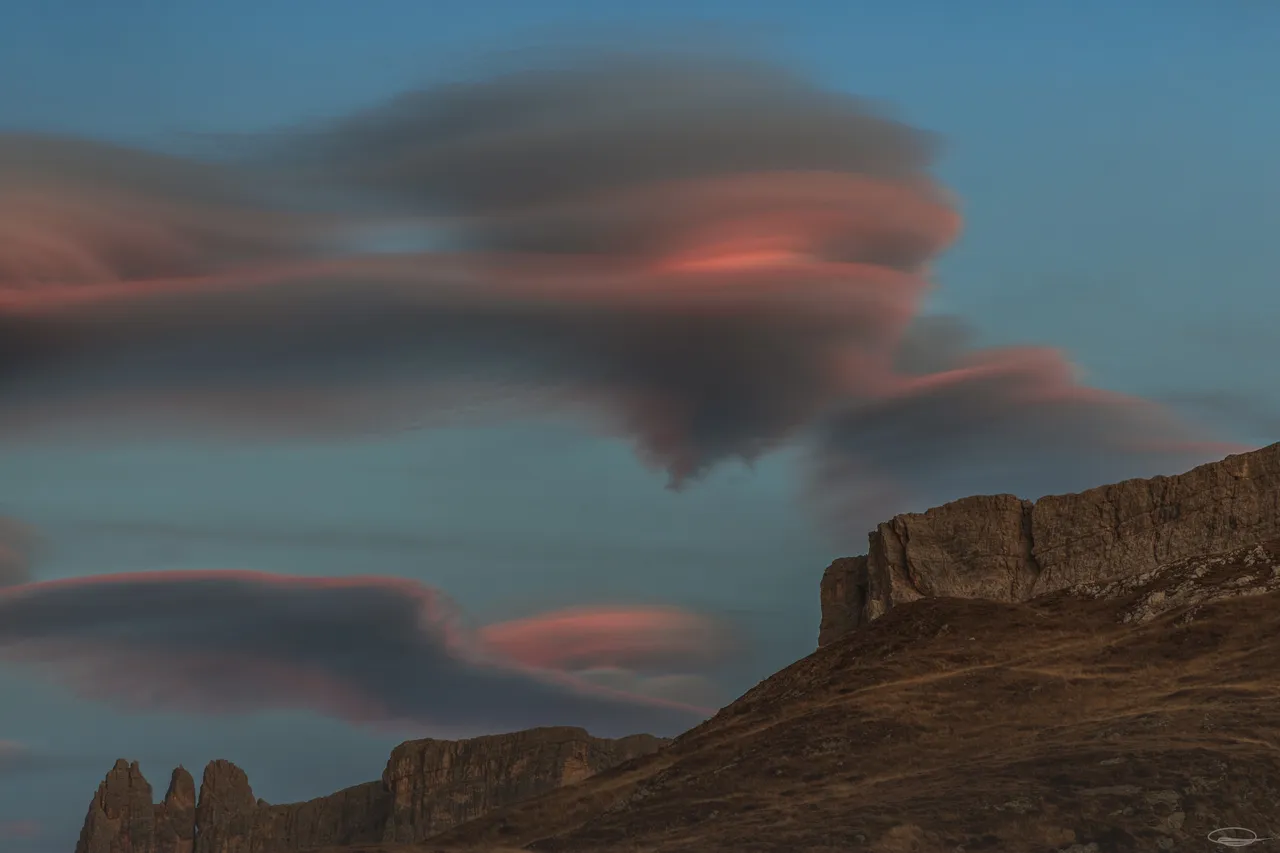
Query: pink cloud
(635, 638)
(76, 212)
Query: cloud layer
(998, 420)
(647, 639)
(13, 755)
(83, 213)
(16, 544)
(20, 829)
(374, 651)
(709, 255)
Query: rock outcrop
(428, 786)
(1004, 548)
(1135, 714)
(351, 816)
(123, 818)
(436, 784)
(1189, 584)
(844, 596)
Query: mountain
(428, 786)
(1080, 674)
(1137, 714)
(1006, 549)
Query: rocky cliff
(428, 786)
(1136, 714)
(124, 819)
(436, 784)
(1006, 549)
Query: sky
(576, 443)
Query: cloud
(1254, 415)
(705, 304)
(375, 651)
(699, 364)
(20, 829)
(378, 539)
(13, 755)
(709, 255)
(592, 125)
(998, 420)
(16, 544)
(635, 638)
(683, 688)
(80, 213)
(20, 759)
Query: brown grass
(1055, 725)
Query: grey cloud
(388, 540)
(595, 123)
(726, 256)
(1255, 415)
(628, 156)
(77, 212)
(21, 760)
(1012, 420)
(366, 650)
(17, 542)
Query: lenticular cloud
(707, 255)
(367, 650)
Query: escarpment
(1004, 548)
(428, 786)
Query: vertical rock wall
(1007, 549)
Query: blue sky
(1115, 164)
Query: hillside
(1122, 699)
(1133, 716)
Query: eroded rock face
(176, 815)
(122, 814)
(1191, 583)
(123, 819)
(352, 815)
(1007, 549)
(437, 784)
(428, 786)
(844, 597)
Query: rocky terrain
(1003, 548)
(1137, 715)
(428, 786)
(1066, 676)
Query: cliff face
(844, 596)
(427, 787)
(237, 823)
(436, 784)
(1006, 549)
(1136, 714)
(123, 819)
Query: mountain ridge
(428, 786)
(1120, 698)
(1082, 721)
(1005, 548)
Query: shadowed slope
(1135, 716)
